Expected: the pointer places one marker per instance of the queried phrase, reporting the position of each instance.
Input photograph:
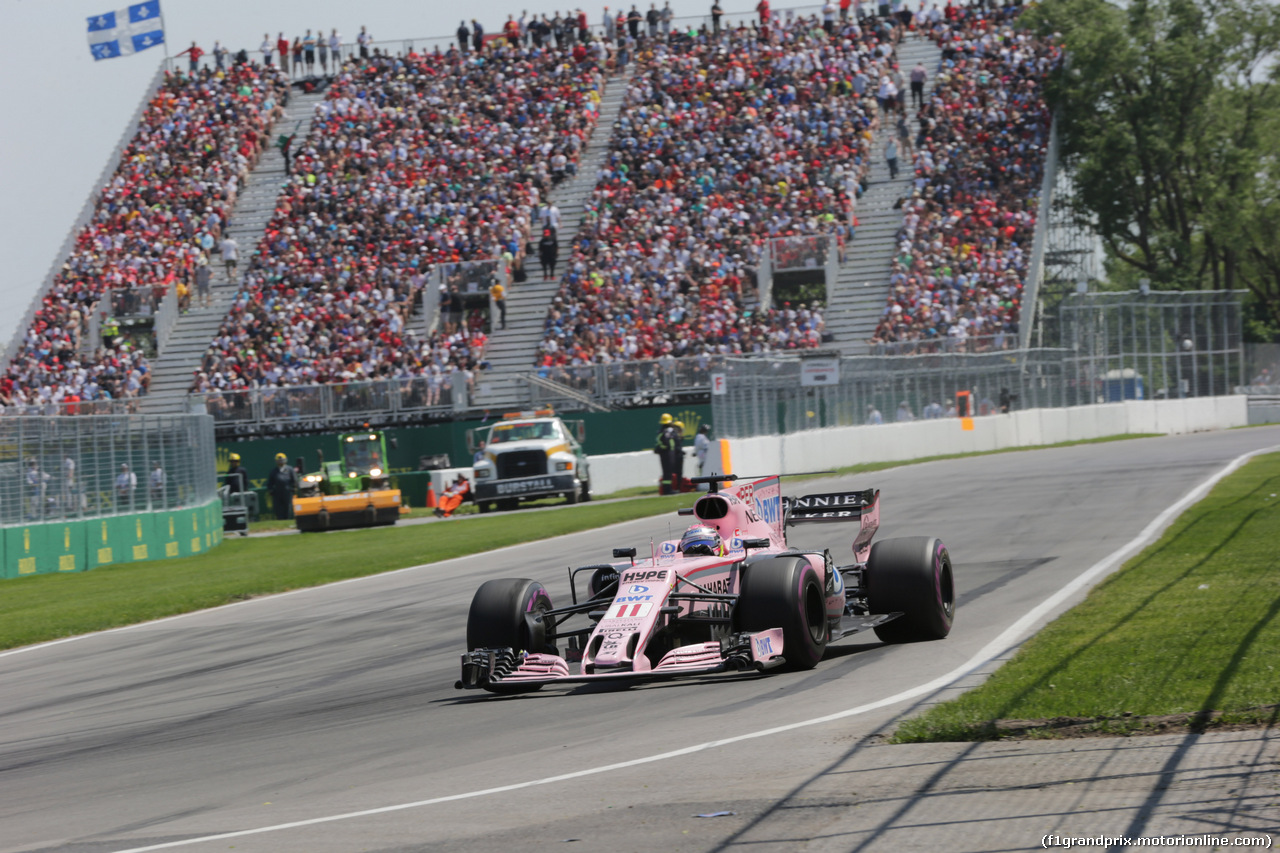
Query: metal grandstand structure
(1073, 346)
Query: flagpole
(165, 30)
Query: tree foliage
(1169, 118)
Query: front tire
(507, 614)
(913, 576)
(786, 593)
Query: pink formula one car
(729, 595)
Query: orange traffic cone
(431, 496)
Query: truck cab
(528, 456)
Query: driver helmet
(702, 541)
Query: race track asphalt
(338, 702)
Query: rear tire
(786, 593)
(586, 491)
(505, 614)
(484, 506)
(912, 576)
(571, 496)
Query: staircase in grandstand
(510, 351)
(858, 297)
(255, 204)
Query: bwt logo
(764, 646)
(770, 509)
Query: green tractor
(354, 491)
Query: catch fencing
(1176, 344)
(1114, 346)
(785, 394)
(72, 468)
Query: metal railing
(999, 342)
(1035, 270)
(54, 468)
(310, 407)
(627, 384)
(126, 406)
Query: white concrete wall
(819, 450)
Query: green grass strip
(47, 607)
(1189, 626)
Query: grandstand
(682, 168)
(171, 371)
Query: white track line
(1006, 640)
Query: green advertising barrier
(121, 539)
(186, 532)
(21, 545)
(169, 534)
(44, 548)
(63, 546)
(74, 546)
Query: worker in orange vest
(453, 497)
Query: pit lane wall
(60, 547)
(824, 449)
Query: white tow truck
(528, 456)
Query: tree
(1168, 113)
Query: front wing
(496, 669)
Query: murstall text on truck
(730, 595)
(530, 456)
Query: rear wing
(862, 507)
(833, 506)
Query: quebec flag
(130, 30)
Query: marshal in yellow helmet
(678, 425)
(666, 419)
(280, 457)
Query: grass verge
(48, 607)
(1185, 634)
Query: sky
(63, 113)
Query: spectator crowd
(965, 242)
(730, 137)
(411, 162)
(727, 140)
